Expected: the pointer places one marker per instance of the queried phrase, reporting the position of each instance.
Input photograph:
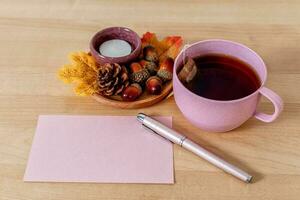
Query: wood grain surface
(36, 36)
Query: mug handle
(277, 102)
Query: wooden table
(36, 36)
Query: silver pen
(181, 140)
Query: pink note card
(101, 149)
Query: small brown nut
(166, 69)
(135, 67)
(150, 54)
(139, 74)
(150, 66)
(132, 92)
(154, 85)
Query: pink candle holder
(121, 33)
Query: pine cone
(112, 79)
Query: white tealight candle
(115, 48)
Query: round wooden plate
(143, 101)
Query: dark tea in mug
(223, 77)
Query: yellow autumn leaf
(82, 72)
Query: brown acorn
(138, 73)
(166, 69)
(132, 92)
(150, 66)
(154, 85)
(150, 54)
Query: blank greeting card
(102, 149)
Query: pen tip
(249, 179)
(141, 117)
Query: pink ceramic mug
(222, 116)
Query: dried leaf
(82, 72)
(168, 47)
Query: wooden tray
(143, 101)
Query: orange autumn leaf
(168, 47)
